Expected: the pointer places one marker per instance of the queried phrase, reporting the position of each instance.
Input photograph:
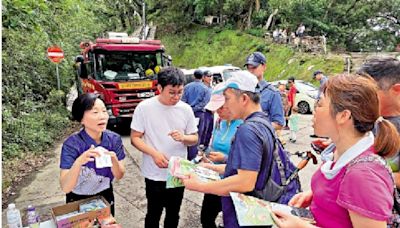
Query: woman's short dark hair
(170, 76)
(81, 104)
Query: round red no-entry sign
(55, 54)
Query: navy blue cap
(256, 59)
(198, 73)
(316, 72)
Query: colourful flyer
(251, 211)
(181, 168)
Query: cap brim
(252, 63)
(214, 105)
(226, 85)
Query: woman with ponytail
(354, 188)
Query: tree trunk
(221, 6)
(248, 26)
(268, 24)
(121, 15)
(257, 5)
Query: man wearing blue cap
(245, 169)
(271, 102)
(197, 95)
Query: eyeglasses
(208, 76)
(172, 94)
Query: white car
(220, 73)
(306, 95)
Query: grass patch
(211, 46)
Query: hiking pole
(303, 163)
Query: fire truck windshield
(124, 66)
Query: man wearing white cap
(222, 135)
(246, 168)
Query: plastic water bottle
(13, 217)
(32, 218)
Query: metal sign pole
(58, 78)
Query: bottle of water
(32, 218)
(13, 217)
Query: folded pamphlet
(180, 168)
(252, 211)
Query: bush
(259, 32)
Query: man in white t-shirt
(163, 126)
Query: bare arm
(219, 168)
(188, 140)
(244, 181)
(358, 220)
(118, 167)
(69, 177)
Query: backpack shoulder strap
(275, 142)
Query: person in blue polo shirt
(271, 102)
(243, 172)
(197, 95)
(79, 177)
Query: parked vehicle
(306, 95)
(189, 75)
(122, 70)
(221, 73)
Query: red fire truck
(122, 70)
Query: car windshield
(227, 73)
(126, 65)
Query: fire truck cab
(122, 70)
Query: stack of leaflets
(180, 168)
(251, 211)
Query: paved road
(44, 191)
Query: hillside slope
(208, 47)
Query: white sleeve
(191, 126)
(137, 123)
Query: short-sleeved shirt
(291, 95)
(223, 134)
(156, 121)
(366, 189)
(91, 179)
(271, 102)
(245, 154)
(197, 95)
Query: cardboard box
(79, 220)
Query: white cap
(241, 80)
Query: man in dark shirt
(197, 95)
(242, 172)
(386, 72)
(271, 102)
